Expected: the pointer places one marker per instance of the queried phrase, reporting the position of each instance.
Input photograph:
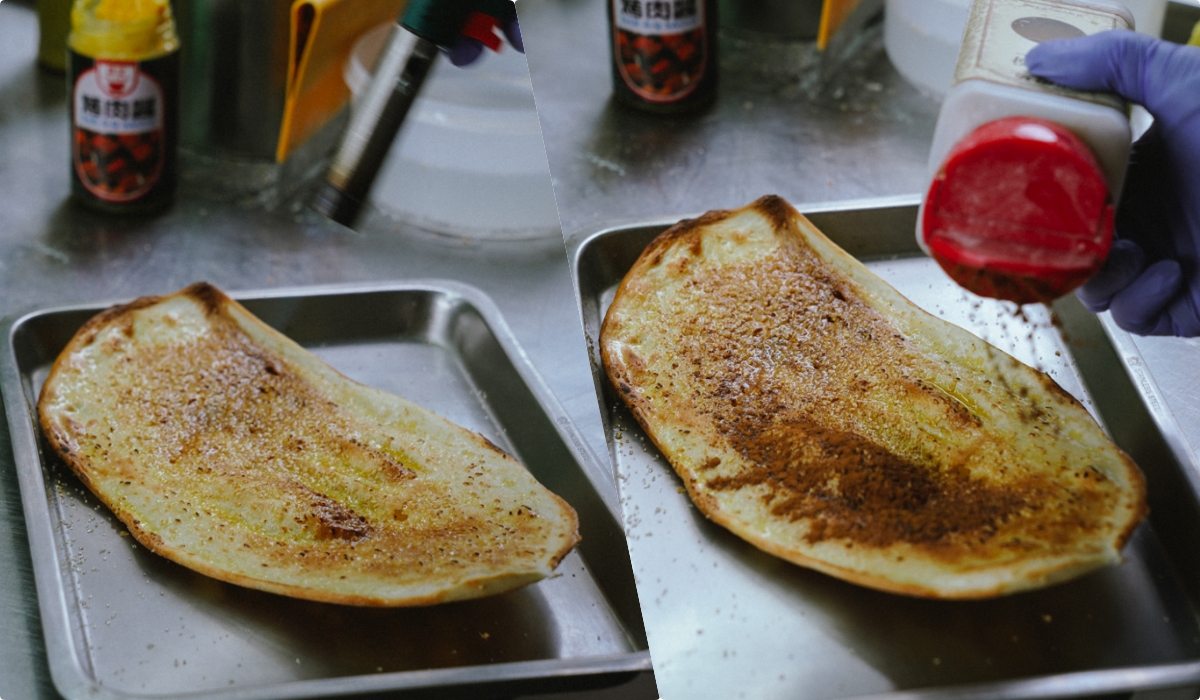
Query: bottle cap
(1019, 210)
(123, 30)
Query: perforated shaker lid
(1019, 210)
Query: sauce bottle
(664, 54)
(1024, 173)
(123, 76)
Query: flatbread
(226, 447)
(818, 414)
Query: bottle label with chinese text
(120, 146)
(661, 47)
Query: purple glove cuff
(1185, 321)
(1139, 307)
(1125, 262)
(1151, 282)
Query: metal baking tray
(121, 622)
(726, 620)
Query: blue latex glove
(1151, 279)
(467, 50)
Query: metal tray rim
(471, 294)
(66, 668)
(389, 682)
(582, 237)
(1069, 684)
(1062, 685)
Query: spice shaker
(664, 54)
(1024, 173)
(123, 75)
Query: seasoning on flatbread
(226, 447)
(815, 412)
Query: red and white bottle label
(118, 148)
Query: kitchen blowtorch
(402, 69)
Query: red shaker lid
(1019, 210)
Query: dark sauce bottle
(123, 71)
(664, 54)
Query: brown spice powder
(854, 489)
(781, 354)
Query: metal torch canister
(402, 70)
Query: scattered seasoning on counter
(123, 77)
(664, 54)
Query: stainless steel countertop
(865, 135)
(52, 253)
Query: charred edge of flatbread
(1045, 577)
(215, 304)
(182, 557)
(785, 222)
(785, 218)
(211, 300)
(689, 232)
(707, 504)
(653, 253)
(686, 232)
(464, 589)
(774, 208)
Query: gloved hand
(1151, 279)
(470, 44)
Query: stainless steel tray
(726, 620)
(121, 622)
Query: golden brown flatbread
(818, 414)
(228, 448)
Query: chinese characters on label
(116, 109)
(659, 16)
